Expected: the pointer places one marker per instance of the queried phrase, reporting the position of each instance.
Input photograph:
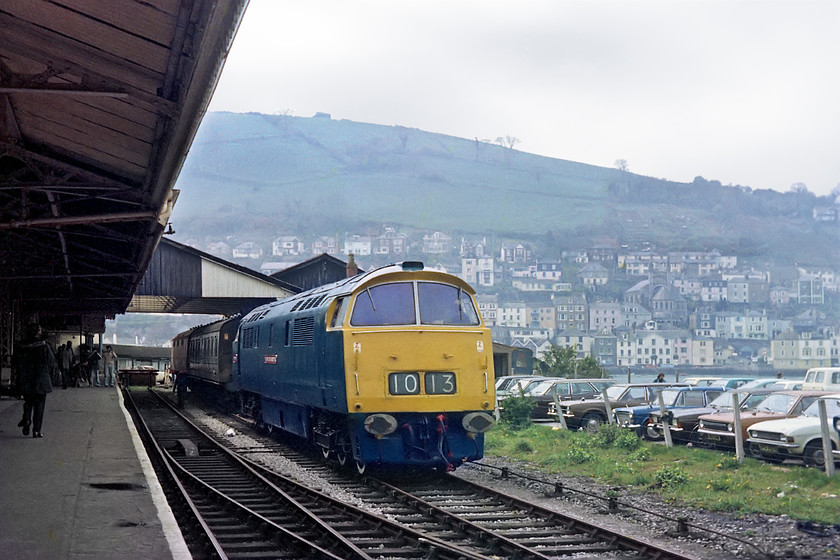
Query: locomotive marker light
(380, 425)
(477, 423)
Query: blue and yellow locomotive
(390, 368)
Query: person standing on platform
(34, 363)
(93, 362)
(109, 361)
(65, 360)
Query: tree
(798, 188)
(558, 361)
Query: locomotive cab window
(339, 313)
(442, 304)
(385, 304)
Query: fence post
(628, 374)
(607, 407)
(666, 425)
(739, 435)
(559, 411)
(826, 439)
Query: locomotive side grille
(304, 328)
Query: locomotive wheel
(360, 467)
(341, 457)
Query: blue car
(638, 417)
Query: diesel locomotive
(391, 369)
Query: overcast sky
(746, 92)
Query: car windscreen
(669, 396)
(539, 387)
(443, 304)
(832, 409)
(776, 403)
(615, 391)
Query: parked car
(591, 413)
(800, 437)
(683, 422)
(822, 379)
(704, 381)
(759, 383)
(717, 430)
(787, 385)
(638, 417)
(542, 392)
(506, 384)
(735, 382)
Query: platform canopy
(182, 279)
(99, 103)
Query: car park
(542, 392)
(718, 430)
(683, 422)
(800, 437)
(591, 413)
(638, 417)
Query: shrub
(670, 475)
(577, 454)
(516, 412)
(606, 435)
(729, 463)
(641, 454)
(627, 440)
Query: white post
(496, 409)
(607, 407)
(666, 425)
(559, 411)
(826, 439)
(739, 435)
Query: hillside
(253, 176)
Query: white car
(797, 437)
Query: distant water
(672, 374)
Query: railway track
(242, 513)
(473, 519)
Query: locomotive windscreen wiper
(370, 297)
(460, 305)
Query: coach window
(271, 335)
(385, 304)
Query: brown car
(718, 430)
(591, 413)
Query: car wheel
(814, 455)
(592, 421)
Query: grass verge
(697, 478)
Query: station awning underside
(181, 279)
(99, 102)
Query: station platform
(84, 491)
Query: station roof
(99, 103)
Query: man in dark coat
(34, 362)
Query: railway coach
(391, 368)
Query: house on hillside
(436, 244)
(326, 245)
(594, 274)
(220, 249)
(358, 245)
(287, 246)
(391, 243)
(247, 250)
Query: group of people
(36, 369)
(74, 372)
